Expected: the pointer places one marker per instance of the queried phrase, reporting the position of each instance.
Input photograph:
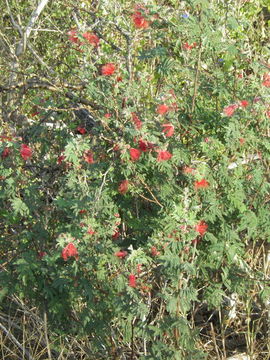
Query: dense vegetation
(134, 179)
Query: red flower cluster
(145, 145)
(134, 154)
(189, 170)
(26, 152)
(266, 80)
(186, 46)
(132, 280)
(154, 251)
(121, 254)
(201, 227)
(137, 122)
(108, 69)
(81, 130)
(229, 110)
(88, 157)
(116, 234)
(203, 184)
(163, 155)
(123, 187)
(69, 251)
(138, 19)
(93, 39)
(73, 37)
(168, 130)
(162, 109)
(60, 159)
(5, 153)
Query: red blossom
(134, 154)
(244, 103)
(81, 130)
(90, 231)
(83, 211)
(139, 268)
(108, 69)
(41, 254)
(242, 141)
(164, 155)
(121, 254)
(137, 122)
(132, 280)
(60, 159)
(116, 234)
(69, 251)
(5, 153)
(189, 170)
(154, 251)
(162, 109)
(168, 130)
(88, 157)
(186, 46)
(93, 39)
(119, 79)
(145, 145)
(201, 227)
(73, 37)
(203, 184)
(26, 152)
(266, 80)
(123, 187)
(139, 20)
(107, 115)
(229, 110)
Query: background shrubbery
(135, 178)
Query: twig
(196, 79)
(46, 336)
(147, 187)
(16, 342)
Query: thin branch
(15, 341)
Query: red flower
(123, 187)
(168, 130)
(90, 231)
(242, 141)
(41, 254)
(107, 115)
(189, 170)
(201, 227)
(69, 251)
(244, 103)
(154, 251)
(73, 36)
(108, 69)
(116, 234)
(121, 254)
(201, 184)
(5, 153)
(119, 78)
(229, 110)
(164, 155)
(60, 159)
(137, 122)
(132, 280)
(83, 211)
(88, 157)
(139, 20)
(186, 46)
(26, 152)
(139, 268)
(134, 154)
(81, 130)
(162, 109)
(266, 80)
(145, 145)
(91, 38)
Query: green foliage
(69, 190)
